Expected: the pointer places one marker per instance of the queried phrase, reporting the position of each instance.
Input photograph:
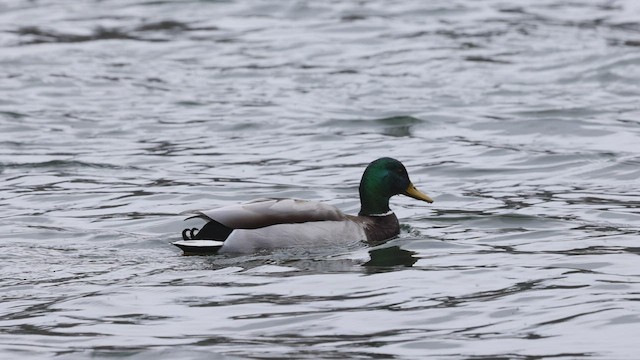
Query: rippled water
(522, 120)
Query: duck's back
(266, 212)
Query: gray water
(521, 119)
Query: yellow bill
(417, 194)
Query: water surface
(521, 121)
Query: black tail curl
(212, 230)
(188, 234)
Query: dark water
(521, 119)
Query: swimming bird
(280, 223)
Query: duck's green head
(383, 179)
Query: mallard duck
(281, 223)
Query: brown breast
(379, 228)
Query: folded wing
(266, 212)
